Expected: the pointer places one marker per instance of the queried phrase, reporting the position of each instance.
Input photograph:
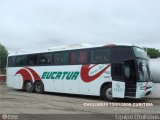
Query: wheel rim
(109, 93)
(38, 87)
(28, 86)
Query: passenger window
(121, 53)
(100, 56)
(11, 61)
(83, 57)
(45, 58)
(20, 60)
(32, 59)
(78, 57)
(60, 58)
(118, 69)
(73, 57)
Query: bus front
(144, 80)
(131, 76)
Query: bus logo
(86, 69)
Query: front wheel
(38, 87)
(107, 92)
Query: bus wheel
(107, 92)
(28, 86)
(38, 87)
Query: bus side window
(117, 71)
(11, 61)
(32, 59)
(121, 53)
(60, 58)
(20, 60)
(100, 56)
(73, 58)
(44, 58)
(79, 57)
(83, 57)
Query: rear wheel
(38, 87)
(107, 92)
(28, 86)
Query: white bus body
(96, 79)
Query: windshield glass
(140, 52)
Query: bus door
(118, 82)
(130, 77)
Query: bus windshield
(140, 52)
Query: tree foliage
(152, 52)
(3, 57)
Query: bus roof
(67, 47)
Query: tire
(28, 86)
(107, 93)
(39, 87)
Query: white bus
(110, 71)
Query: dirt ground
(19, 102)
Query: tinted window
(32, 59)
(60, 58)
(78, 57)
(118, 70)
(11, 61)
(121, 53)
(20, 60)
(45, 58)
(100, 56)
(83, 57)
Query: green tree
(152, 52)
(3, 58)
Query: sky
(40, 24)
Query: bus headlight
(143, 88)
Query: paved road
(18, 102)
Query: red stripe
(25, 74)
(35, 75)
